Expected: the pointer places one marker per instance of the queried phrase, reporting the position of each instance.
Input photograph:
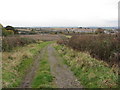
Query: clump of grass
(43, 78)
(91, 72)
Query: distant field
(43, 37)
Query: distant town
(64, 30)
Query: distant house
(106, 32)
(23, 32)
(112, 31)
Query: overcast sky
(59, 12)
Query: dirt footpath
(32, 71)
(64, 78)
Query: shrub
(7, 32)
(104, 47)
(99, 31)
(9, 43)
(9, 28)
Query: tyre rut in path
(64, 78)
(26, 83)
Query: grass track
(43, 78)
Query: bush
(7, 32)
(104, 47)
(99, 31)
(9, 43)
(9, 28)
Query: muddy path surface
(64, 78)
(26, 83)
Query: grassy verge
(16, 62)
(43, 78)
(91, 72)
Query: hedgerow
(103, 47)
(8, 43)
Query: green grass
(90, 72)
(43, 78)
(12, 75)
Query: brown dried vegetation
(103, 47)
